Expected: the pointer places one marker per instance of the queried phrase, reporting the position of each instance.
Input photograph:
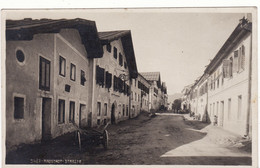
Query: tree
(176, 105)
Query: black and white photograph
(130, 86)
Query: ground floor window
(98, 108)
(72, 111)
(61, 111)
(126, 110)
(239, 106)
(18, 107)
(123, 110)
(105, 109)
(229, 109)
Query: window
(213, 110)
(239, 107)
(125, 65)
(72, 112)
(72, 72)
(115, 53)
(229, 109)
(231, 67)
(135, 96)
(126, 110)
(123, 110)
(120, 59)
(105, 109)
(109, 47)
(62, 66)
(20, 56)
(236, 61)
(241, 58)
(82, 77)
(18, 107)
(210, 110)
(61, 111)
(45, 72)
(108, 80)
(98, 121)
(100, 76)
(132, 95)
(226, 68)
(98, 108)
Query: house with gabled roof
(156, 91)
(113, 74)
(48, 77)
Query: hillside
(171, 98)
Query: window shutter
(239, 59)
(243, 57)
(226, 68)
(236, 56)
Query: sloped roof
(243, 29)
(126, 38)
(109, 36)
(26, 28)
(151, 76)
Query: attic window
(20, 56)
(109, 47)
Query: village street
(164, 139)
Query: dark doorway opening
(113, 118)
(46, 118)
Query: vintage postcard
(144, 86)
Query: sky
(178, 44)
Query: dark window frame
(19, 113)
(46, 85)
(82, 77)
(120, 59)
(115, 52)
(98, 109)
(71, 75)
(60, 65)
(109, 47)
(72, 116)
(61, 120)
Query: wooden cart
(92, 137)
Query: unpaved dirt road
(165, 139)
(162, 140)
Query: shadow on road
(212, 160)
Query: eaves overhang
(24, 30)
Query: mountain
(171, 98)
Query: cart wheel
(105, 139)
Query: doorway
(82, 111)
(46, 118)
(221, 121)
(113, 118)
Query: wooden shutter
(243, 57)
(235, 64)
(226, 73)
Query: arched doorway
(113, 117)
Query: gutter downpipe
(130, 97)
(248, 116)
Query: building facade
(47, 74)
(113, 75)
(223, 93)
(61, 73)
(144, 86)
